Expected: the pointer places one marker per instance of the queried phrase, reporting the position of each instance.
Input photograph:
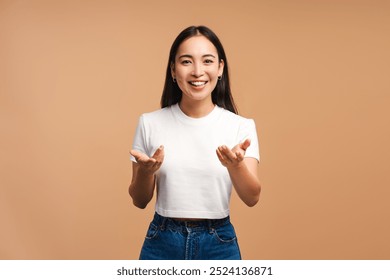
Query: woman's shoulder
(232, 117)
(159, 114)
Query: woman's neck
(196, 109)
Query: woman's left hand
(233, 157)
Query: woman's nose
(198, 70)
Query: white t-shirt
(192, 182)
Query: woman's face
(197, 68)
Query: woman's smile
(198, 84)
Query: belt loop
(210, 226)
(162, 225)
(163, 222)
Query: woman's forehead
(196, 46)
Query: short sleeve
(139, 141)
(248, 131)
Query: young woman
(193, 151)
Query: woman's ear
(220, 68)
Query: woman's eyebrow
(190, 56)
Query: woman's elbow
(139, 205)
(254, 199)
(252, 202)
(138, 202)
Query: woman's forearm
(142, 187)
(245, 181)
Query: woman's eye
(208, 61)
(185, 62)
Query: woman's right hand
(149, 164)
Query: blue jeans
(169, 239)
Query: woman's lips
(198, 83)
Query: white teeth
(197, 84)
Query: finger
(134, 153)
(159, 154)
(156, 165)
(240, 156)
(244, 145)
(225, 153)
(228, 154)
(222, 153)
(159, 164)
(220, 157)
(148, 163)
(137, 155)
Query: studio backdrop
(76, 75)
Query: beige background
(75, 76)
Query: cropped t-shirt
(192, 182)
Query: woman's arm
(243, 172)
(142, 184)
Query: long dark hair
(221, 95)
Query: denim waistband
(207, 224)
